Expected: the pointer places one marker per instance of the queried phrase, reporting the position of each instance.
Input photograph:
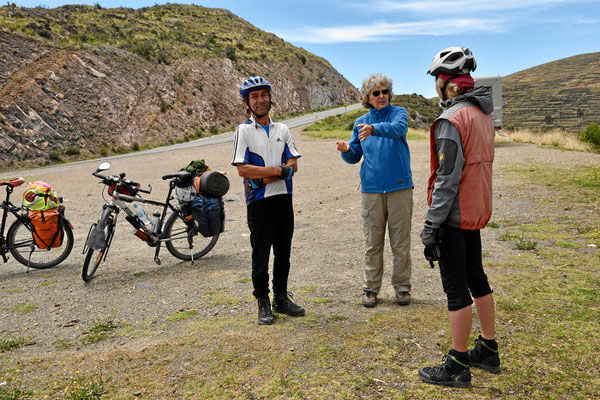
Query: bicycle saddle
(14, 182)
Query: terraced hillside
(83, 81)
(560, 94)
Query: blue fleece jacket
(386, 164)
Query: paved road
(222, 138)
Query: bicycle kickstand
(156, 258)
(29, 258)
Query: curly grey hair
(371, 83)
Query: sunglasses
(376, 93)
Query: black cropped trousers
(461, 267)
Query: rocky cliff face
(58, 102)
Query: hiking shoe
(450, 372)
(484, 356)
(403, 298)
(265, 316)
(369, 299)
(283, 305)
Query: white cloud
(389, 31)
(454, 7)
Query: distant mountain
(83, 81)
(421, 111)
(560, 94)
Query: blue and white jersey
(253, 145)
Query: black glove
(256, 183)
(286, 172)
(429, 237)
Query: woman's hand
(343, 147)
(365, 131)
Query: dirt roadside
(132, 290)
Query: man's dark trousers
(271, 223)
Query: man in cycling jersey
(266, 157)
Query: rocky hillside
(561, 94)
(82, 81)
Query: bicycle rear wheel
(23, 248)
(185, 240)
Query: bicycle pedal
(157, 260)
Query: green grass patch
(12, 343)
(15, 393)
(307, 289)
(244, 280)
(14, 290)
(104, 326)
(217, 297)
(180, 316)
(24, 308)
(568, 245)
(86, 390)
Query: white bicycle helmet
(453, 61)
(254, 83)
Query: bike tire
(86, 272)
(179, 246)
(20, 242)
(107, 220)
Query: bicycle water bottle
(154, 222)
(142, 215)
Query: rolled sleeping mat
(212, 183)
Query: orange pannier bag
(48, 229)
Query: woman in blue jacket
(379, 138)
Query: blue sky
(399, 38)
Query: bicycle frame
(119, 202)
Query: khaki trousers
(395, 209)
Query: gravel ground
(130, 289)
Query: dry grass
(557, 138)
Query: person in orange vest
(460, 204)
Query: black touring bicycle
(189, 232)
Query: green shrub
(213, 130)
(53, 155)
(591, 134)
(72, 151)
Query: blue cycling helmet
(254, 83)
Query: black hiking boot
(265, 316)
(450, 372)
(283, 305)
(485, 355)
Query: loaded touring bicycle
(189, 232)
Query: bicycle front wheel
(99, 238)
(184, 241)
(93, 258)
(23, 248)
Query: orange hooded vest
(474, 194)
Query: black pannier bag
(209, 215)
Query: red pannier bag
(48, 229)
